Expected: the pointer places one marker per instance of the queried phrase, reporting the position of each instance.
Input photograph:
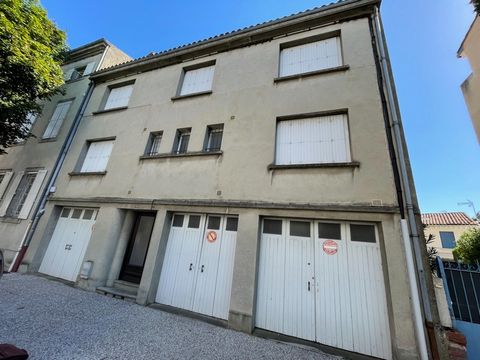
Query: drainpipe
(408, 225)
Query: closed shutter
(97, 156)
(89, 69)
(314, 140)
(67, 75)
(10, 193)
(118, 97)
(32, 194)
(313, 56)
(197, 80)
(6, 177)
(56, 120)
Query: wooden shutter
(10, 193)
(119, 97)
(7, 176)
(32, 194)
(90, 68)
(316, 140)
(313, 56)
(67, 75)
(197, 80)
(57, 119)
(97, 156)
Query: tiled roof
(230, 33)
(447, 218)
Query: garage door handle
(203, 266)
(309, 286)
(190, 268)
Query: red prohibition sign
(330, 247)
(211, 236)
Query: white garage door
(198, 265)
(323, 281)
(68, 244)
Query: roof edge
(460, 49)
(89, 49)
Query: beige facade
(242, 179)
(39, 154)
(470, 49)
(436, 230)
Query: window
(181, 141)
(448, 239)
(5, 177)
(214, 222)
(79, 71)
(30, 121)
(313, 56)
(194, 221)
(272, 227)
(197, 80)
(363, 233)
(329, 231)
(313, 140)
(232, 224)
(97, 156)
(153, 144)
(300, 228)
(118, 97)
(20, 196)
(56, 120)
(178, 220)
(213, 141)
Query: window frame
(208, 133)
(84, 153)
(186, 69)
(52, 138)
(108, 91)
(441, 240)
(178, 140)
(150, 142)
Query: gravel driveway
(55, 321)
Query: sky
(423, 38)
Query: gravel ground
(55, 321)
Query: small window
(153, 145)
(314, 140)
(313, 56)
(76, 213)
(448, 239)
(78, 72)
(97, 156)
(20, 196)
(213, 222)
(56, 120)
(329, 231)
(197, 80)
(300, 228)
(363, 233)
(65, 212)
(88, 214)
(232, 224)
(118, 96)
(178, 220)
(213, 141)
(194, 221)
(272, 227)
(181, 141)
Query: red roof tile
(447, 218)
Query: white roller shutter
(7, 176)
(32, 194)
(10, 193)
(97, 156)
(119, 97)
(89, 68)
(57, 119)
(197, 80)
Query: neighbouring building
(446, 228)
(258, 178)
(29, 166)
(470, 48)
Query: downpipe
(408, 226)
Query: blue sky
(423, 38)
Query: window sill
(311, 73)
(188, 154)
(109, 110)
(352, 164)
(48, 140)
(180, 97)
(11, 220)
(87, 173)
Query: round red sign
(330, 247)
(211, 236)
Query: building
(446, 229)
(258, 179)
(29, 166)
(470, 48)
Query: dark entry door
(136, 253)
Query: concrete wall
(434, 230)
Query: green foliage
(432, 254)
(468, 246)
(31, 52)
(476, 5)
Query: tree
(476, 5)
(32, 49)
(432, 254)
(468, 246)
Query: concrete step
(117, 293)
(125, 286)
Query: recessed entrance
(137, 248)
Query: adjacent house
(446, 228)
(258, 179)
(30, 166)
(470, 48)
